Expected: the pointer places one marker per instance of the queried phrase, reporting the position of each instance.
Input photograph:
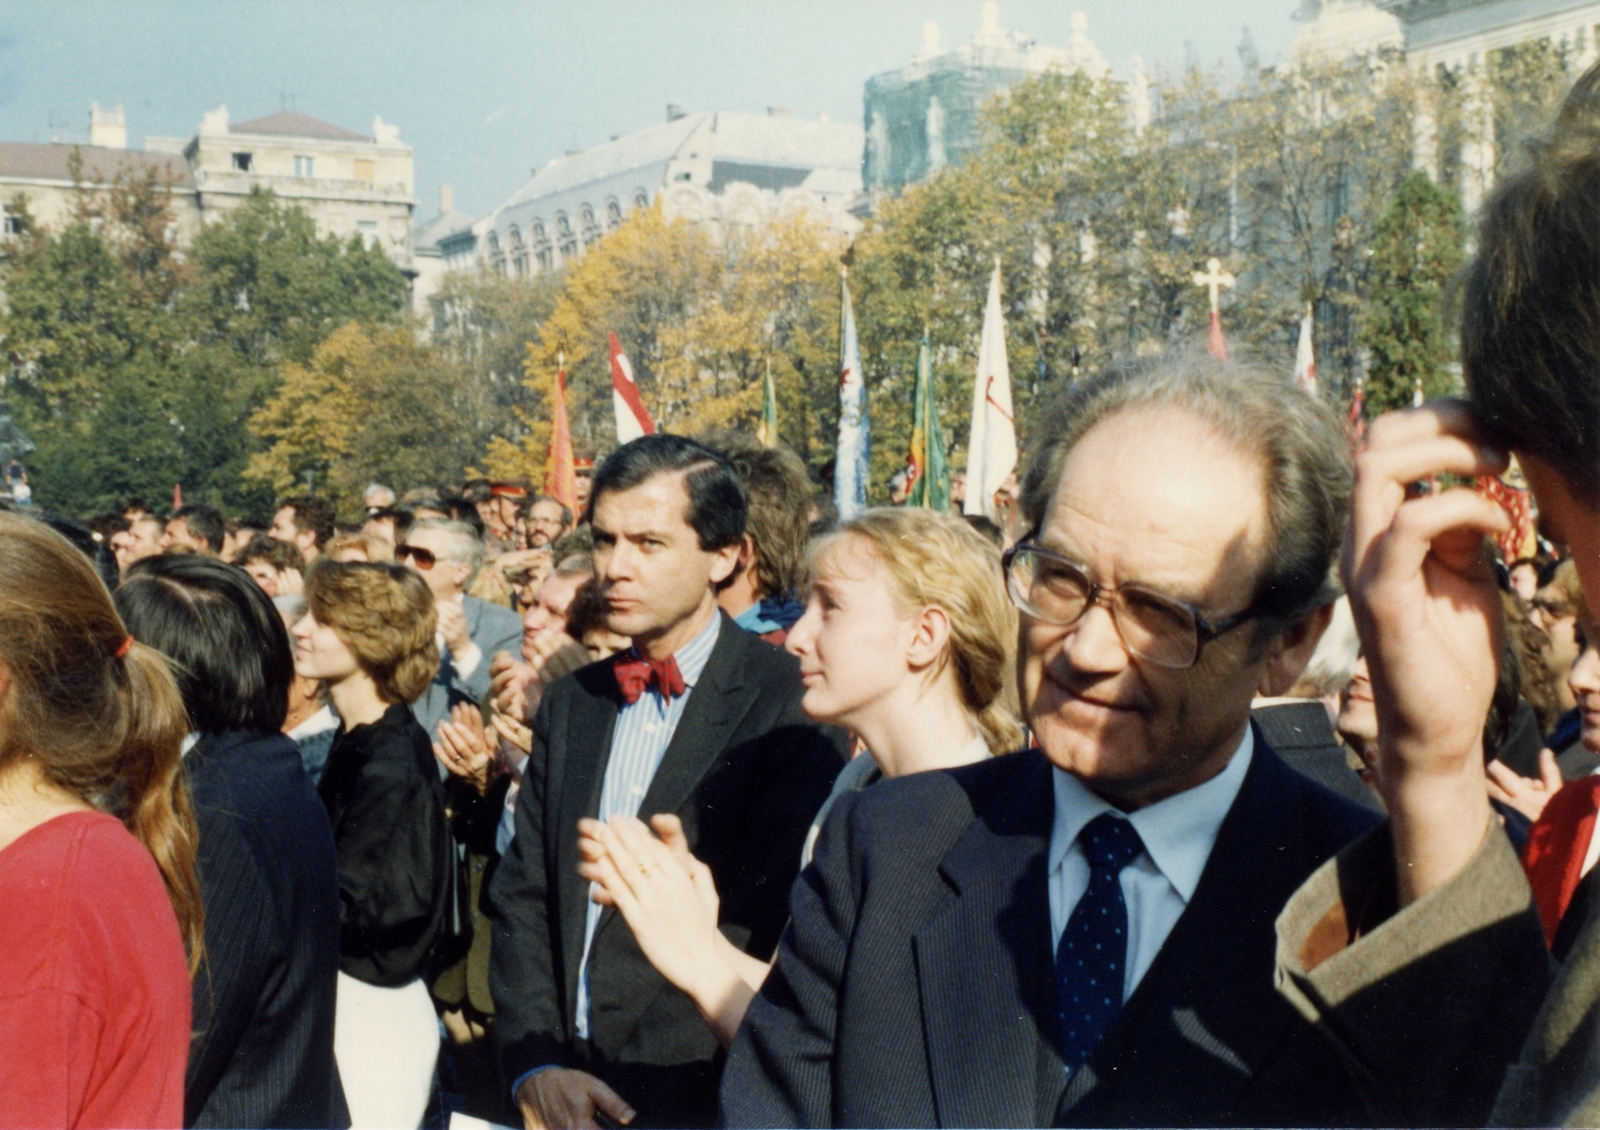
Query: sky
(488, 90)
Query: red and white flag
(1305, 358)
(633, 420)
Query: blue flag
(855, 433)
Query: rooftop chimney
(108, 129)
(674, 111)
(447, 199)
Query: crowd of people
(1237, 781)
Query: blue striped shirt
(639, 741)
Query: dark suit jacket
(746, 773)
(1300, 733)
(262, 1053)
(493, 628)
(915, 985)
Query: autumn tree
(373, 403)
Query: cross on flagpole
(1214, 278)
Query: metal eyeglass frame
(1205, 631)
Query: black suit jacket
(262, 1053)
(746, 773)
(915, 985)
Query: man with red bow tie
(700, 719)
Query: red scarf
(634, 676)
(1556, 848)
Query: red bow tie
(634, 675)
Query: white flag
(992, 446)
(1305, 358)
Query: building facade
(720, 170)
(924, 116)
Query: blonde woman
(369, 636)
(906, 641)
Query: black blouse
(382, 791)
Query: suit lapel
(984, 963)
(1207, 1012)
(586, 749)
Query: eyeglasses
(1155, 627)
(1555, 609)
(423, 557)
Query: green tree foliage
(1416, 250)
(134, 368)
(373, 403)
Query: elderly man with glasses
(1082, 933)
(471, 631)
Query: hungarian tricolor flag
(559, 475)
(632, 419)
(927, 471)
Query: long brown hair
(108, 730)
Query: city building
(924, 116)
(47, 184)
(350, 183)
(722, 170)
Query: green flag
(930, 486)
(767, 430)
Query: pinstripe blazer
(746, 772)
(915, 985)
(262, 1053)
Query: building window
(15, 225)
(241, 162)
(591, 230)
(368, 230)
(640, 200)
(304, 166)
(613, 216)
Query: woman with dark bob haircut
(369, 634)
(264, 1003)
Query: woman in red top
(98, 893)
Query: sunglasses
(424, 558)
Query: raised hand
(1428, 612)
(1524, 794)
(464, 748)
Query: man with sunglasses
(448, 555)
(1082, 934)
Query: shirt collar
(1178, 832)
(693, 656)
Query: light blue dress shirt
(643, 731)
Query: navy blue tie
(1093, 952)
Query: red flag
(177, 496)
(633, 420)
(1218, 347)
(559, 476)
(1357, 421)
(1520, 540)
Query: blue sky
(487, 90)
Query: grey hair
(1299, 440)
(466, 548)
(575, 565)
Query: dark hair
(279, 554)
(133, 503)
(476, 491)
(587, 612)
(1530, 326)
(226, 642)
(311, 513)
(778, 496)
(1297, 438)
(716, 500)
(399, 515)
(204, 522)
(566, 511)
